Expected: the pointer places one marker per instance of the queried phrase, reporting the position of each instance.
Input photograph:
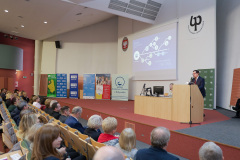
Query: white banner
(120, 87)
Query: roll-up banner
(89, 86)
(73, 86)
(62, 85)
(120, 87)
(103, 86)
(51, 91)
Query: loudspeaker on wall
(57, 43)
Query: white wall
(228, 31)
(194, 51)
(92, 49)
(48, 63)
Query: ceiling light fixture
(78, 14)
(22, 26)
(5, 10)
(45, 22)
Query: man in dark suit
(159, 140)
(72, 120)
(199, 81)
(56, 107)
(237, 109)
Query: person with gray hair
(73, 119)
(108, 153)
(16, 112)
(94, 123)
(210, 151)
(160, 137)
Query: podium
(175, 108)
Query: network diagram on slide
(155, 48)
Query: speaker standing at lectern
(199, 81)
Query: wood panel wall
(235, 87)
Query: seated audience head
(22, 105)
(36, 99)
(46, 141)
(14, 101)
(3, 90)
(24, 94)
(109, 125)
(171, 86)
(47, 103)
(25, 112)
(160, 137)
(32, 132)
(56, 107)
(65, 110)
(77, 112)
(27, 121)
(127, 139)
(95, 122)
(51, 103)
(9, 95)
(210, 151)
(108, 153)
(16, 90)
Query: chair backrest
(91, 151)
(96, 145)
(66, 136)
(24, 147)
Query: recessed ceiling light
(5, 10)
(22, 26)
(78, 14)
(45, 22)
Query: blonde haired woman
(127, 142)
(36, 101)
(27, 121)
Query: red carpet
(180, 144)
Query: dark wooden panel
(43, 85)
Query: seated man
(159, 140)
(15, 114)
(65, 112)
(73, 119)
(237, 108)
(56, 109)
(210, 151)
(109, 126)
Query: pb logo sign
(196, 24)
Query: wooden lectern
(181, 104)
(175, 108)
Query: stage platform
(180, 144)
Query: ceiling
(25, 18)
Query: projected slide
(155, 54)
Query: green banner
(209, 76)
(52, 81)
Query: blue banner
(62, 85)
(73, 86)
(120, 87)
(89, 86)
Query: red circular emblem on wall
(125, 44)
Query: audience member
(109, 126)
(56, 107)
(25, 111)
(3, 94)
(42, 102)
(73, 119)
(36, 101)
(108, 153)
(9, 97)
(94, 123)
(48, 110)
(16, 112)
(27, 121)
(65, 112)
(29, 138)
(127, 142)
(159, 140)
(46, 142)
(13, 105)
(25, 97)
(210, 151)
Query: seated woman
(13, 105)
(30, 136)
(46, 142)
(109, 126)
(36, 101)
(127, 142)
(94, 123)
